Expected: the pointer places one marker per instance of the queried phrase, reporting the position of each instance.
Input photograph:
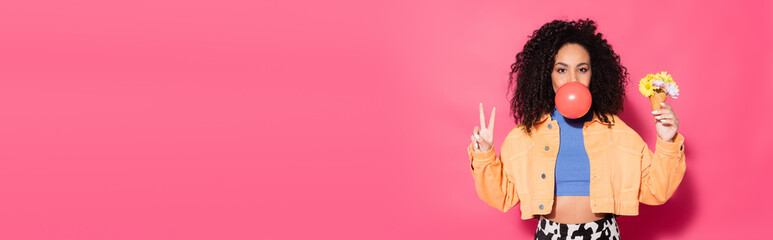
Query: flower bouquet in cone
(657, 87)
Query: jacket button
(550, 126)
(547, 148)
(541, 207)
(543, 176)
(681, 147)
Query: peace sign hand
(483, 136)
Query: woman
(575, 175)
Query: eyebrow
(567, 65)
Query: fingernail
(476, 145)
(477, 136)
(662, 104)
(655, 112)
(658, 117)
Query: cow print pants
(605, 228)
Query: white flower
(658, 83)
(672, 90)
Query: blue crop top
(572, 164)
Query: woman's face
(572, 64)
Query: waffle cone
(656, 99)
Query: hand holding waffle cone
(657, 87)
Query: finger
(665, 116)
(670, 110)
(668, 122)
(665, 120)
(661, 111)
(482, 117)
(491, 121)
(476, 132)
(665, 105)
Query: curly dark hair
(534, 94)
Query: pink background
(346, 120)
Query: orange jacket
(623, 170)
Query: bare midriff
(573, 210)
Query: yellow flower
(666, 77)
(645, 85)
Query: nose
(573, 77)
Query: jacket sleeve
(662, 171)
(493, 184)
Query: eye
(583, 69)
(561, 70)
